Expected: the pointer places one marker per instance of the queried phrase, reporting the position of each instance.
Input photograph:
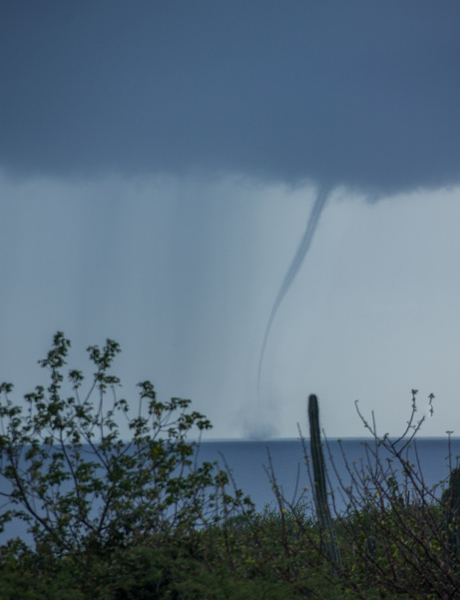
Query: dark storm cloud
(364, 93)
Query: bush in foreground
(87, 495)
(137, 519)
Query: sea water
(254, 465)
(249, 464)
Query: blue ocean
(249, 461)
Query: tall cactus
(451, 496)
(320, 492)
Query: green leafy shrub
(137, 519)
(398, 535)
(29, 575)
(80, 487)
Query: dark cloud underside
(364, 93)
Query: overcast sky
(158, 165)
